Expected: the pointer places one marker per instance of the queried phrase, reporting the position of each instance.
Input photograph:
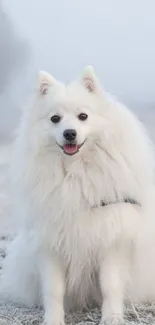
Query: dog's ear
(90, 80)
(45, 81)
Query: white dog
(83, 174)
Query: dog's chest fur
(72, 204)
(69, 210)
(72, 196)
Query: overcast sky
(116, 36)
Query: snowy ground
(19, 315)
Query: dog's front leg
(113, 277)
(53, 287)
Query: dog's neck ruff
(124, 200)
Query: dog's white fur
(70, 250)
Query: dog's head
(69, 116)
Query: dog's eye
(82, 116)
(55, 119)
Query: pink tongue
(70, 149)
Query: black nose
(70, 134)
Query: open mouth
(71, 148)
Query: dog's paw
(114, 320)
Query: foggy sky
(117, 37)
(13, 56)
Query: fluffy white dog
(83, 173)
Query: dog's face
(69, 116)
(70, 130)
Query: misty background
(62, 36)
